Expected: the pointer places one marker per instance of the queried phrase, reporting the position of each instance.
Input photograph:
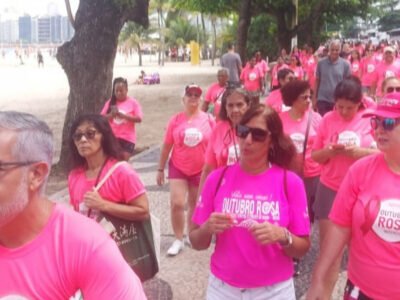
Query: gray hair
(335, 43)
(34, 139)
(223, 70)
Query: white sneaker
(187, 242)
(176, 247)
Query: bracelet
(160, 170)
(289, 239)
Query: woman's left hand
(267, 233)
(93, 200)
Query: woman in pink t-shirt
(391, 85)
(301, 124)
(223, 148)
(274, 99)
(257, 210)
(368, 70)
(187, 137)
(94, 150)
(355, 63)
(343, 137)
(123, 113)
(366, 216)
(296, 67)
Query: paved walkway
(185, 276)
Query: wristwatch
(288, 237)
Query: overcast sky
(34, 7)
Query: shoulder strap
(220, 179)
(307, 134)
(109, 173)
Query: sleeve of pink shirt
(208, 96)
(105, 108)
(210, 158)
(129, 182)
(346, 197)
(172, 123)
(319, 139)
(137, 111)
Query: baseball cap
(389, 107)
(389, 49)
(193, 88)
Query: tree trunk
(88, 59)
(139, 50)
(243, 28)
(285, 34)
(214, 41)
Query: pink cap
(389, 107)
(194, 88)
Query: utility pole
(294, 22)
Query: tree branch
(69, 13)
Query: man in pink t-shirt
(215, 91)
(47, 251)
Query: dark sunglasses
(257, 134)
(89, 135)
(391, 89)
(387, 124)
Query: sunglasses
(257, 134)
(391, 89)
(192, 95)
(89, 135)
(387, 124)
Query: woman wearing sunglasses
(257, 210)
(94, 150)
(187, 137)
(223, 147)
(391, 85)
(366, 216)
(301, 124)
(342, 138)
(274, 99)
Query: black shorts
(126, 146)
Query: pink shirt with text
(122, 128)
(355, 68)
(368, 70)
(353, 133)
(262, 65)
(298, 72)
(123, 186)
(214, 96)
(189, 138)
(368, 203)
(250, 77)
(253, 198)
(296, 130)
(223, 148)
(70, 253)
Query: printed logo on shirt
(13, 297)
(370, 68)
(389, 73)
(233, 155)
(118, 120)
(387, 223)
(298, 141)
(252, 76)
(355, 67)
(249, 206)
(193, 137)
(349, 138)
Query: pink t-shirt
(274, 73)
(298, 72)
(263, 67)
(368, 70)
(223, 148)
(274, 100)
(384, 71)
(189, 138)
(310, 68)
(355, 68)
(214, 96)
(253, 198)
(251, 78)
(333, 129)
(123, 186)
(122, 128)
(368, 202)
(296, 130)
(71, 253)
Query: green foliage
(389, 21)
(215, 7)
(181, 31)
(133, 34)
(262, 33)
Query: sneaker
(176, 247)
(187, 242)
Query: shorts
(323, 201)
(126, 146)
(311, 184)
(219, 290)
(175, 173)
(352, 292)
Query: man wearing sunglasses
(366, 214)
(47, 251)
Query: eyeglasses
(391, 89)
(89, 135)
(192, 95)
(6, 166)
(387, 124)
(257, 134)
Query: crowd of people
(255, 174)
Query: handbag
(133, 238)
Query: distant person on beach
(40, 59)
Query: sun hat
(389, 107)
(389, 49)
(193, 88)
